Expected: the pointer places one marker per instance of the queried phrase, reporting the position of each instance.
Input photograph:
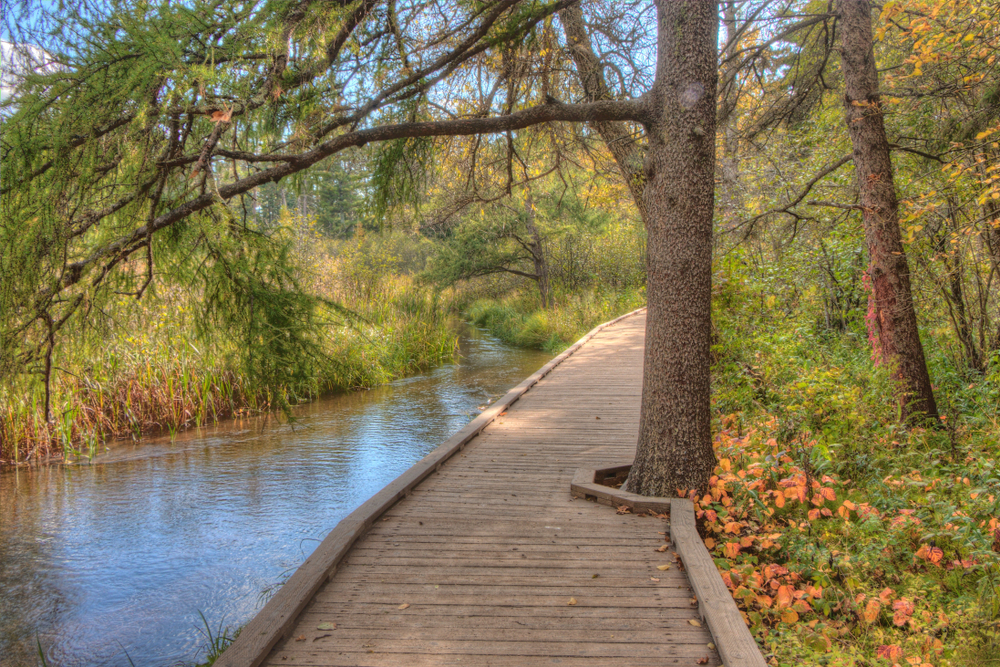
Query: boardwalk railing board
(733, 641)
(277, 618)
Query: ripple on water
(99, 561)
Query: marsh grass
(517, 320)
(152, 369)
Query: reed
(149, 373)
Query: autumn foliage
(825, 570)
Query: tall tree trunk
(623, 146)
(674, 451)
(895, 317)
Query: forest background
(848, 536)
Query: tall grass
(518, 320)
(147, 371)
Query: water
(112, 561)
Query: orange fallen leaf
(572, 601)
(696, 623)
(904, 610)
(405, 605)
(871, 611)
(889, 652)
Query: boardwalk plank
(488, 551)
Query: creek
(113, 562)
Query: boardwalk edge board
(277, 618)
(735, 644)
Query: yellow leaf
(789, 616)
(572, 601)
(405, 605)
(663, 568)
(696, 623)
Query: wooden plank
(736, 645)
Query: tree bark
(537, 249)
(623, 146)
(894, 316)
(728, 117)
(674, 452)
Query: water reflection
(112, 561)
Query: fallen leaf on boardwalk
(694, 600)
(596, 417)
(663, 568)
(595, 576)
(696, 623)
(663, 548)
(653, 579)
(300, 638)
(405, 605)
(572, 601)
(623, 509)
(711, 645)
(703, 661)
(326, 626)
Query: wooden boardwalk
(489, 561)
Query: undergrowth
(846, 538)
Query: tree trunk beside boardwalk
(674, 451)
(895, 319)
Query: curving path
(489, 561)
